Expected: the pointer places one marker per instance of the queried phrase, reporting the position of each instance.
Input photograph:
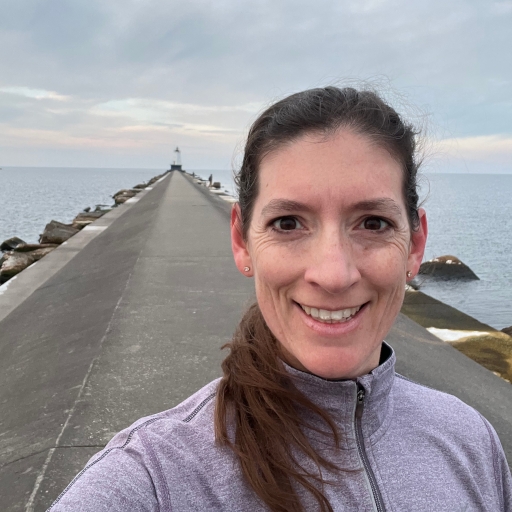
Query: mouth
(327, 316)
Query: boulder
(140, 186)
(14, 262)
(447, 267)
(507, 330)
(89, 215)
(11, 243)
(125, 192)
(34, 247)
(88, 209)
(216, 184)
(40, 253)
(102, 208)
(122, 199)
(155, 179)
(123, 195)
(56, 233)
(85, 218)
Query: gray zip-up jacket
(405, 448)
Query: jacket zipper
(362, 453)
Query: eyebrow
(278, 206)
(382, 204)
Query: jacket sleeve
(507, 484)
(116, 479)
(506, 480)
(501, 470)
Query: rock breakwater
(16, 255)
(478, 341)
(215, 187)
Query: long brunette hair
(256, 396)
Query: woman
(310, 414)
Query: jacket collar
(339, 398)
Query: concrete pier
(128, 320)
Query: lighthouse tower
(176, 165)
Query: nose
(332, 264)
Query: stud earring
(246, 269)
(409, 273)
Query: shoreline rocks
(18, 255)
(445, 268)
(85, 218)
(478, 341)
(56, 232)
(11, 243)
(13, 262)
(507, 330)
(492, 350)
(123, 195)
(34, 247)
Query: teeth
(337, 315)
(326, 316)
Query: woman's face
(329, 245)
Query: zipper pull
(360, 402)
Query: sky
(121, 83)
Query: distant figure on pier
(210, 180)
(309, 414)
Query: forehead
(338, 169)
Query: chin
(336, 367)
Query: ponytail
(257, 396)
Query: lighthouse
(176, 165)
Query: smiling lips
(331, 317)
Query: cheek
(271, 278)
(385, 267)
(275, 268)
(274, 278)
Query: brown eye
(287, 224)
(374, 224)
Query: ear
(418, 243)
(238, 244)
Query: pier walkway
(132, 323)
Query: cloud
(481, 154)
(160, 111)
(485, 147)
(199, 71)
(38, 94)
(224, 121)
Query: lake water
(470, 216)
(30, 197)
